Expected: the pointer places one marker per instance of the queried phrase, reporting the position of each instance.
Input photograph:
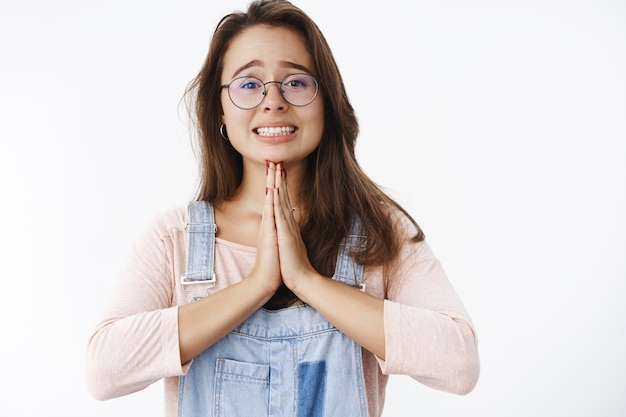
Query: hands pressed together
(281, 258)
(281, 253)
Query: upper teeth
(274, 131)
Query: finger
(281, 184)
(286, 226)
(279, 203)
(280, 191)
(270, 175)
(267, 229)
(267, 218)
(267, 265)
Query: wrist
(264, 288)
(304, 287)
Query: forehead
(266, 47)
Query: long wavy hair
(336, 187)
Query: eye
(298, 81)
(247, 83)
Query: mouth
(275, 131)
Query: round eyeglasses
(249, 92)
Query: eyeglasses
(249, 92)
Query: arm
(429, 334)
(136, 342)
(421, 329)
(232, 305)
(357, 314)
(196, 333)
(144, 337)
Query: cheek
(318, 119)
(233, 117)
(225, 107)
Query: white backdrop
(499, 124)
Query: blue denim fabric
(289, 362)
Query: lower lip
(276, 139)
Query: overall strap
(348, 270)
(201, 231)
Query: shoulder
(412, 242)
(167, 224)
(171, 220)
(404, 226)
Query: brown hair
(336, 187)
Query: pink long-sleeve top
(428, 333)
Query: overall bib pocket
(241, 389)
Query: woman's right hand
(266, 270)
(229, 307)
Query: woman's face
(275, 130)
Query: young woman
(293, 285)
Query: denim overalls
(288, 362)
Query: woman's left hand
(337, 302)
(294, 261)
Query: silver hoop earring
(223, 131)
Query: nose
(274, 99)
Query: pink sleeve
(428, 333)
(136, 343)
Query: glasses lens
(246, 92)
(299, 89)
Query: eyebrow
(283, 64)
(253, 63)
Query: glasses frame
(282, 92)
